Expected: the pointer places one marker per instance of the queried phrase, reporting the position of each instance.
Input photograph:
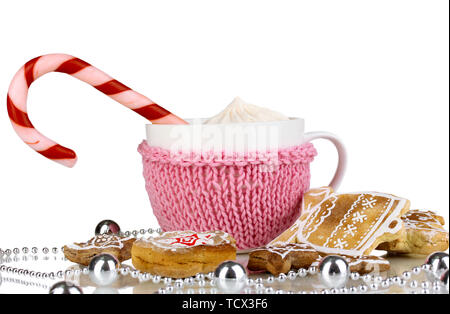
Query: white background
(373, 72)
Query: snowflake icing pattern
(368, 202)
(340, 244)
(350, 231)
(358, 217)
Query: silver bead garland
(208, 283)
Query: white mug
(241, 138)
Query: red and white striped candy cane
(33, 69)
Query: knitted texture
(254, 197)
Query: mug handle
(342, 153)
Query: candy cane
(35, 68)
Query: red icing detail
(112, 87)
(29, 67)
(58, 152)
(188, 240)
(72, 66)
(152, 112)
(16, 115)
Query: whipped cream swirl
(240, 111)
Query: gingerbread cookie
(281, 259)
(310, 199)
(352, 224)
(424, 234)
(181, 254)
(82, 253)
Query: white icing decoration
(173, 240)
(283, 251)
(101, 242)
(379, 226)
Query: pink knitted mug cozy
(252, 196)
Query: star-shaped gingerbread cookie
(82, 253)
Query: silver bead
(34, 250)
(250, 281)
(200, 277)
(334, 271)
(281, 277)
(270, 279)
(189, 281)
(45, 250)
(124, 271)
(144, 277)
(355, 276)
(107, 226)
(54, 250)
(367, 278)
(169, 289)
(416, 270)
(179, 283)
(25, 250)
(396, 280)
(363, 288)
(302, 272)
(353, 290)
(312, 270)
(64, 287)
(373, 286)
(16, 251)
(292, 275)
(259, 286)
(413, 284)
(103, 269)
(438, 263)
(406, 275)
(385, 284)
(135, 274)
(444, 280)
(437, 289)
(378, 279)
(231, 276)
(425, 284)
(156, 279)
(269, 290)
